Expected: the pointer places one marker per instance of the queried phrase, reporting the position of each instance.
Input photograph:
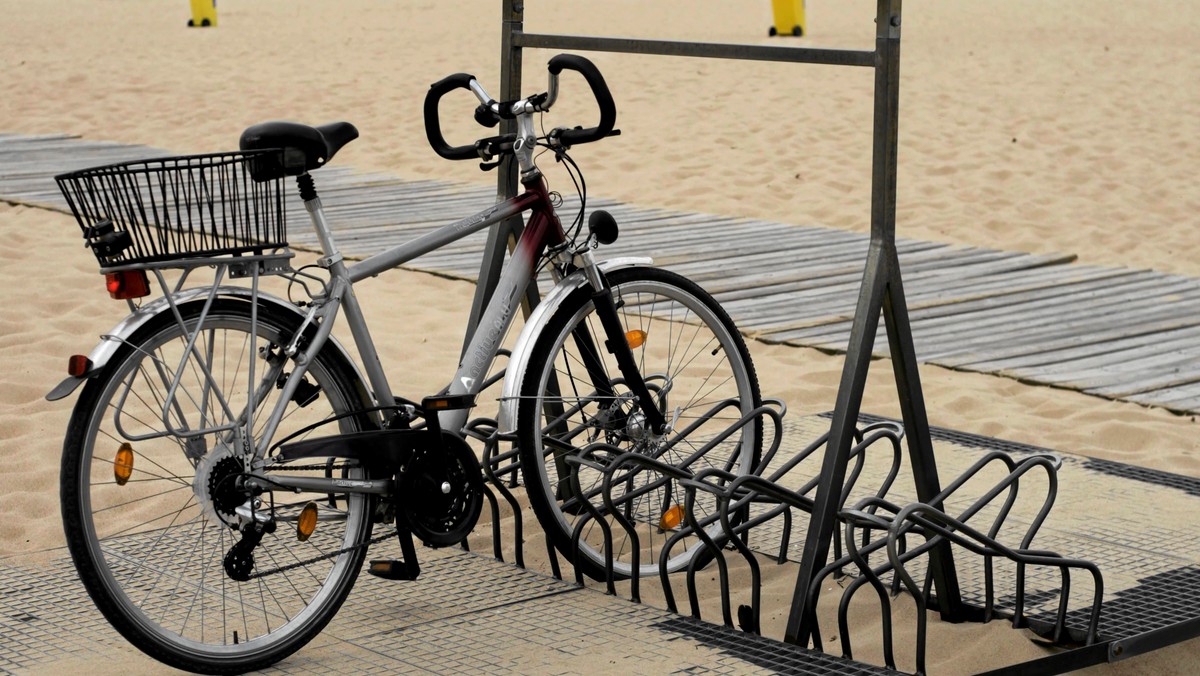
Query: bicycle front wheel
(574, 399)
(153, 489)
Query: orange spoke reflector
(307, 523)
(123, 466)
(671, 518)
(635, 338)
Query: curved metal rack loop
(938, 527)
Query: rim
(168, 563)
(692, 330)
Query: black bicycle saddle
(304, 148)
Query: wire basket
(172, 208)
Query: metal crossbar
(832, 57)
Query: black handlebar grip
(608, 109)
(433, 126)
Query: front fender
(514, 374)
(111, 341)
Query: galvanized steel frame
(881, 290)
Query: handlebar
(608, 110)
(433, 125)
(490, 112)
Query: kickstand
(394, 569)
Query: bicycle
(227, 460)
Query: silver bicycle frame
(481, 350)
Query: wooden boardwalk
(1113, 332)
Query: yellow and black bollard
(204, 13)
(789, 18)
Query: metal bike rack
(872, 524)
(881, 291)
(881, 525)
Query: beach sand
(1071, 127)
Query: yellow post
(204, 13)
(789, 18)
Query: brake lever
(496, 146)
(484, 166)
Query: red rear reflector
(78, 365)
(127, 284)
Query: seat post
(342, 292)
(312, 203)
(308, 187)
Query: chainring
(440, 492)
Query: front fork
(602, 383)
(618, 346)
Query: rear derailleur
(239, 561)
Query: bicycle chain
(299, 564)
(311, 468)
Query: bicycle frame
(542, 230)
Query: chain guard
(439, 517)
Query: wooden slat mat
(1112, 332)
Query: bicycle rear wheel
(147, 505)
(695, 364)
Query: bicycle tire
(706, 361)
(150, 551)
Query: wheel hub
(636, 427)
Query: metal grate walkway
(466, 614)
(1111, 332)
(471, 614)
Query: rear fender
(111, 341)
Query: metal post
(920, 446)
(881, 292)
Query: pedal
(393, 569)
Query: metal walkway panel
(466, 614)
(470, 613)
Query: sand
(1069, 126)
